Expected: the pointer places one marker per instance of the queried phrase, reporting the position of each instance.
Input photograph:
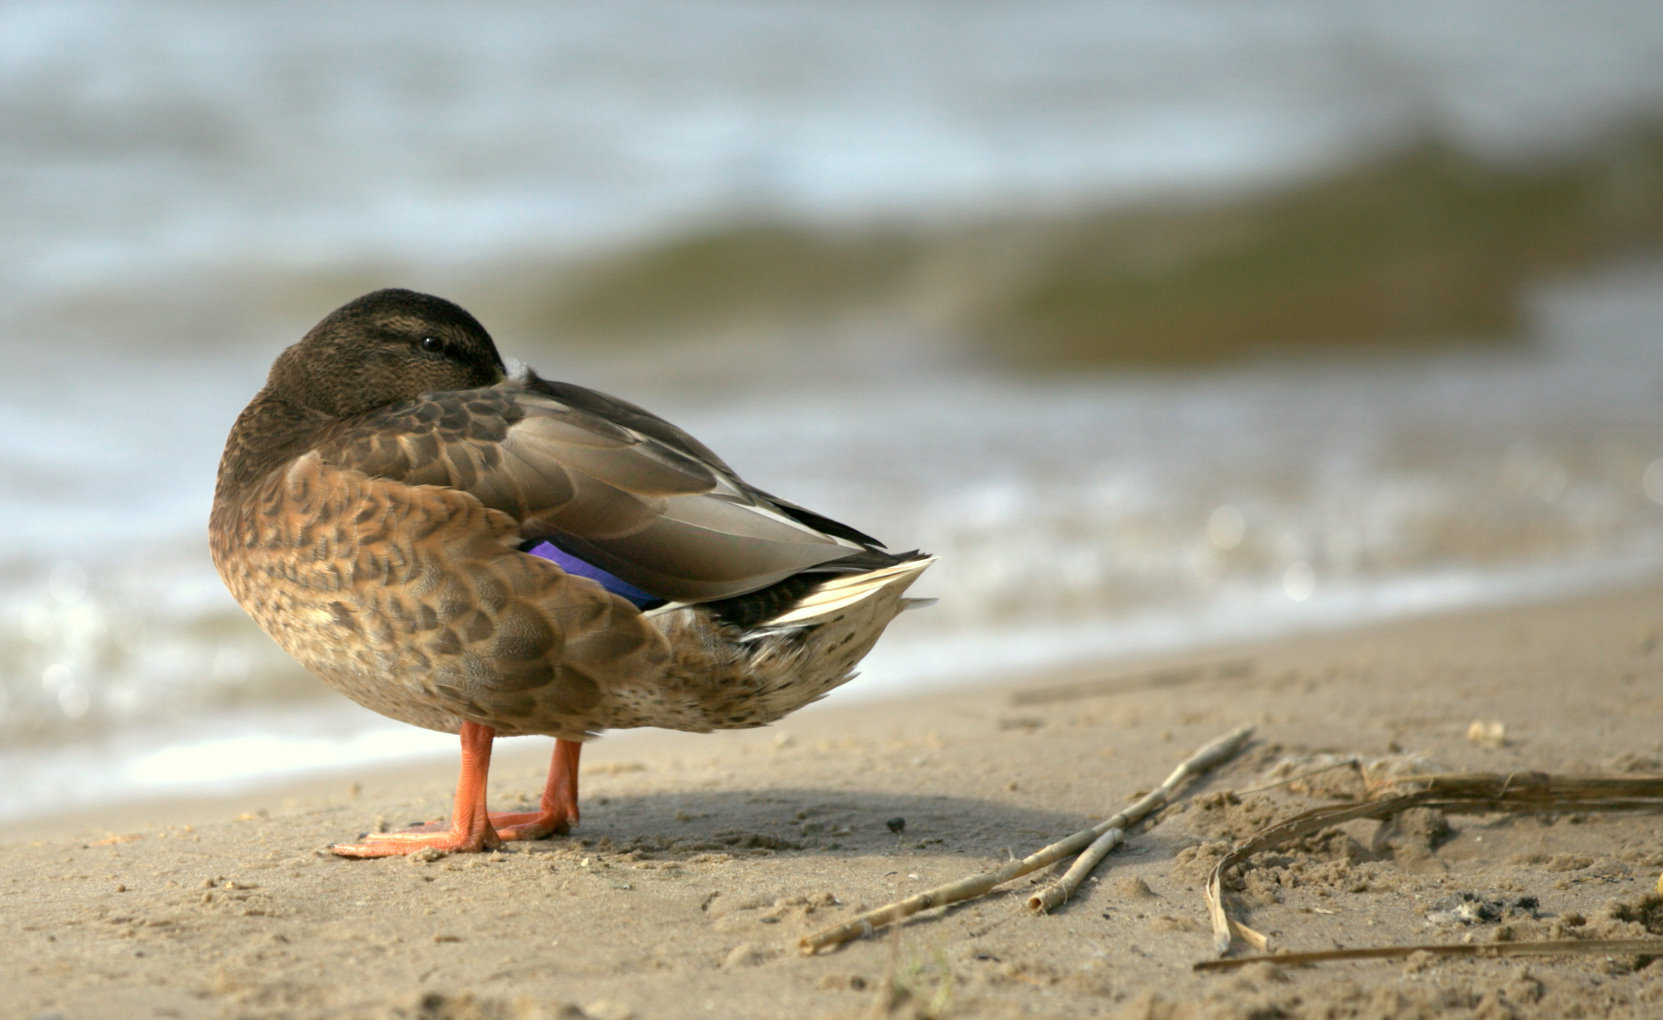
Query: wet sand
(701, 860)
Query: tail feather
(797, 641)
(839, 592)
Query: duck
(455, 542)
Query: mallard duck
(478, 550)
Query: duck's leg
(559, 804)
(470, 825)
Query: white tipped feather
(840, 593)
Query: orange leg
(470, 826)
(559, 805)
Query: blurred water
(154, 141)
(188, 186)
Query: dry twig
(1207, 758)
(1113, 831)
(1057, 893)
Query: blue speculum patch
(582, 568)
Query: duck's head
(384, 348)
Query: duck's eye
(432, 345)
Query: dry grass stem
(1210, 756)
(1553, 947)
(1258, 940)
(1460, 793)
(1282, 832)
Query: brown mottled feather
(635, 505)
(426, 585)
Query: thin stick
(1556, 947)
(1208, 757)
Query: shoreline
(387, 748)
(701, 859)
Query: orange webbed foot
(558, 811)
(531, 824)
(423, 837)
(470, 828)
(504, 826)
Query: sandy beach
(701, 860)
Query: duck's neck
(268, 432)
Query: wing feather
(605, 480)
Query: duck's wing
(605, 480)
(643, 421)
